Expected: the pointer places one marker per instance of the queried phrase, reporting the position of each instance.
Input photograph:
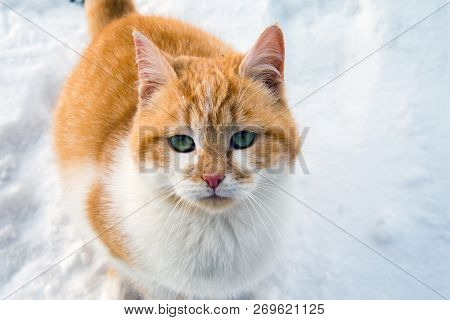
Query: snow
(377, 150)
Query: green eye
(242, 139)
(182, 143)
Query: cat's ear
(265, 61)
(153, 68)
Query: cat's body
(166, 229)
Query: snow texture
(378, 148)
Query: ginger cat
(164, 135)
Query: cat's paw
(117, 287)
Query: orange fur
(102, 12)
(99, 99)
(100, 103)
(107, 230)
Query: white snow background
(378, 149)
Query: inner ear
(265, 61)
(154, 69)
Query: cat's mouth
(215, 201)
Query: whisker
(251, 216)
(168, 219)
(184, 209)
(266, 205)
(258, 202)
(265, 183)
(269, 234)
(268, 187)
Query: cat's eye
(182, 143)
(242, 139)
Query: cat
(164, 136)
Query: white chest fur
(179, 250)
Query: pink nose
(213, 180)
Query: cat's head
(213, 125)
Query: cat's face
(212, 129)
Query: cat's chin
(216, 203)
